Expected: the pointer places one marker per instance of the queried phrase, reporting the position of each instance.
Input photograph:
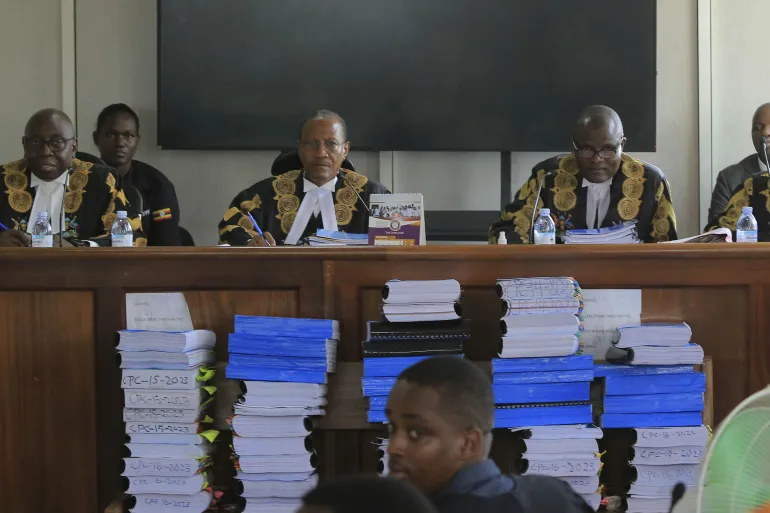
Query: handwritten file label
(158, 312)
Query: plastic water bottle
(545, 230)
(42, 233)
(122, 234)
(746, 227)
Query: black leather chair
(187, 239)
(289, 160)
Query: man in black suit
(731, 177)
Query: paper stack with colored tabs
(168, 449)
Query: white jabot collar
(317, 200)
(48, 198)
(597, 198)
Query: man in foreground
(441, 415)
(365, 494)
(81, 198)
(293, 205)
(595, 186)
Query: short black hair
(326, 114)
(465, 389)
(369, 493)
(111, 110)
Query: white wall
(31, 64)
(116, 61)
(740, 76)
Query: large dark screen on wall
(484, 75)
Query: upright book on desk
(396, 220)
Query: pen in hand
(5, 228)
(257, 228)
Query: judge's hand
(258, 241)
(58, 242)
(14, 239)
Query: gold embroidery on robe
(355, 180)
(108, 220)
(734, 207)
(73, 200)
(287, 220)
(20, 201)
(565, 182)
(230, 213)
(665, 211)
(346, 196)
(245, 223)
(343, 213)
(111, 182)
(283, 186)
(16, 182)
(628, 206)
(140, 242)
(288, 204)
(766, 194)
(248, 206)
(228, 228)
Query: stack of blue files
(414, 327)
(546, 401)
(664, 406)
(282, 364)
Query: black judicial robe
(274, 203)
(755, 193)
(160, 218)
(90, 202)
(638, 191)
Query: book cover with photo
(396, 220)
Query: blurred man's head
(365, 494)
(441, 414)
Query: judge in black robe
(90, 204)
(90, 199)
(274, 203)
(637, 190)
(754, 192)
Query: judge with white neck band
(291, 206)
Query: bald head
(760, 126)
(599, 141)
(599, 117)
(330, 116)
(49, 144)
(49, 115)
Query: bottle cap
(545, 211)
(42, 215)
(122, 214)
(501, 239)
(747, 210)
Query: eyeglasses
(604, 153)
(37, 144)
(331, 146)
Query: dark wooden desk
(60, 402)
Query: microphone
(764, 149)
(678, 492)
(345, 178)
(61, 208)
(534, 208)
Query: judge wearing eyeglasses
(81, 199)
(292, 206)
(595, 186)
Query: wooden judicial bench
(60, 402)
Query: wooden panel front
(47, 406)
(60, 308)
